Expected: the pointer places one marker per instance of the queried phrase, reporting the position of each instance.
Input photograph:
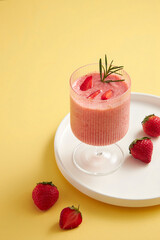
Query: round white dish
(135, 184)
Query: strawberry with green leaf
(151, 125)
(70, 217)
(45, 195)
(142, 149)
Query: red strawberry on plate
(142, 149)
(70, 217)
(94, 94)
(44, 195)
(151, 125)
(87, 84)
(107, 95)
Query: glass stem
(98, 151)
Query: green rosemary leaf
(114, 67)
(106, 61)
(100, 68)
(108, 81)
(104, 71)
(109, 67)
(115, 71)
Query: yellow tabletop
(41, 44)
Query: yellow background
(41, 43)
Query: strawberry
(44, 195)
(107, 95)
(70, 217)
(151, 125)
(142, 149)
(94, 94)
(87, 84)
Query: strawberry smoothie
(99, 111)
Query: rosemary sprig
(107, 71)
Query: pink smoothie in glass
(96, 121)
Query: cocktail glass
(99, 125)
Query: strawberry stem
(147, 118)
(74, 208)
(46, 183)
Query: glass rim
(100, 101)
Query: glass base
(101, 160)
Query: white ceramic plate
(135, 184)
